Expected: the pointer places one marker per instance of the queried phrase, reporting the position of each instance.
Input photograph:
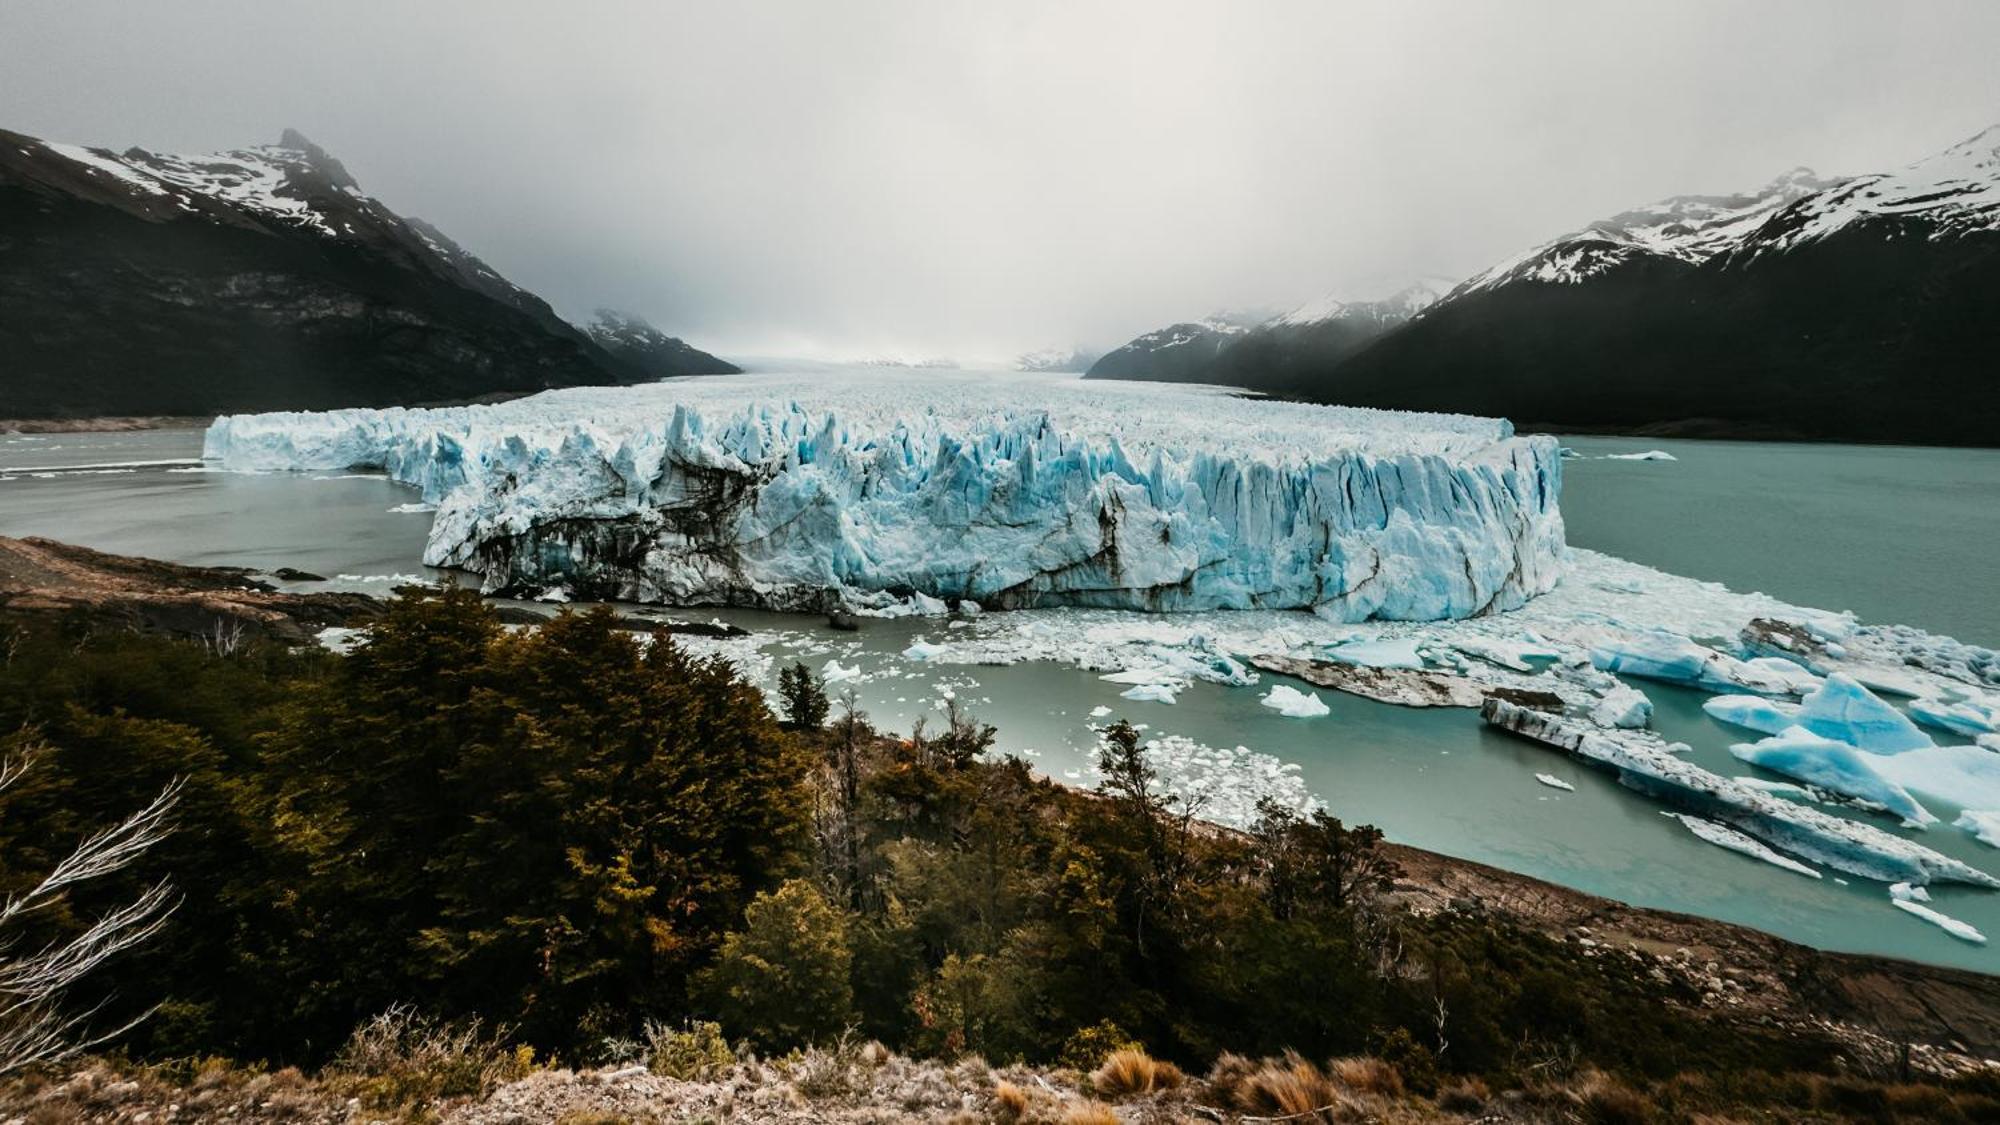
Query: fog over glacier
(976, 180)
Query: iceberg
(1295, 704)
(1966, 776)
(1659, 654)
(1961, 930)
(1752, 711)
(1723, 836)
(1646, 763)
(1149, 693)
(1554, 782)
(1398, 653)
(1834, 766)
(1984, 824)
(1844, 710)
(1967, 717)
(1648, 455)
(796, 493)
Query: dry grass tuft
(1365, 1075)
(1090, 1113)
(1131, 1071)
(1604, 1100)
(1291, 1087)
(1010, 1102)
(874, 1054)
(1467, 1095)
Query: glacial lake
(1898, 535)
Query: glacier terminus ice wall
(1009, 490)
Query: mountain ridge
(251, 279)
(1853, 308)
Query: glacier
(843, 491)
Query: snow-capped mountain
(1222, 348)
(1684, 228)
(1058, 359)
(262, 277)
(1178, 353)
(1847, 308)
(1954, 194)
(1856, 308)
(1394, 309)
(659, 355)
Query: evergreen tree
(783, 980)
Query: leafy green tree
(783, 980)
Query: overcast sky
(973, 179)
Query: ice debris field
(1427, 549)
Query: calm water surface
(1908, 535)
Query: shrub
(783, 980)
(1090, 1046)
(696, 1052)
(403, 1057)
(1132, 1071)
(1416, 1064)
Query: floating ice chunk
(1796, 678)
(1904, 892)
(1775, 788)
(1842, 709)
(1295, 704)
(1831, 765)
(1753, 711)
(970, 608)
(921, 649)
(1399, 653)
(1512, 654)
(1149, 693)
(1658, 654)
(1967, 717)
(1966, 776)
(1646, 763)
(1622, 705)
(412, 509)
(1649, 455)
(1984, 825)
(1099, 711)
(1945, 922)
(1554, 782)
(835, 672)
(1723, 836)
(927, 606)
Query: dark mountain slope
(1855, 310)
(633, 340)
(255, 279)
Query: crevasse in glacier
(800, 494)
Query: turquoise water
(1896, 534)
